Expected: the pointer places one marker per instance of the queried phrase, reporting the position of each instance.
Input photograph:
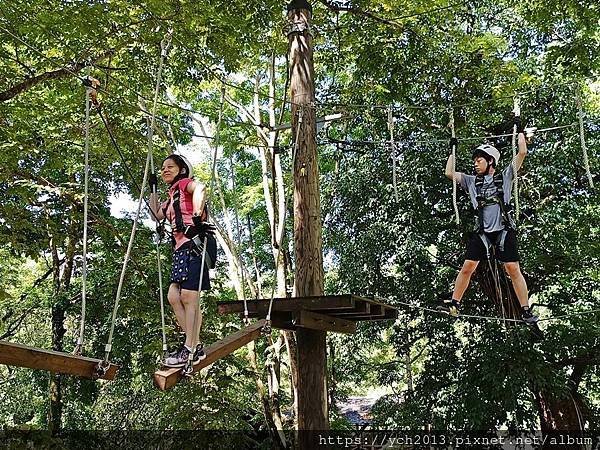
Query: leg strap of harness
(501, 240)
(486, 243)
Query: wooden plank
(389, 313)
(34, 358)
(362, 308)
(316, 321)
(261, 306)
(375, 312)
(370, 300)
(282, 321)
(167, 378)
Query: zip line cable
(389, 21)
(437, 107)
(284, 100)
(490, 318)
(441, 141)
(248, 90)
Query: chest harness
(497, 198)
(190, 231)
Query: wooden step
(52, 361)
(167, 378)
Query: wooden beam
(167, 378)
(389, 313)
(320, 302)
(362, 308)
(376, 311)
(34, 358)
(316, 321)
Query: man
(490, 193)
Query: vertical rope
(88, 90)
(586, 161)
(239, 241)
(454, 187)
(517, 113)
(165, 44)
(189, 366)
(158, 259)
(390, 118)
(280, 238)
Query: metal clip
(165, 44)
(266, 329)
(101, 369)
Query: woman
(187, 213)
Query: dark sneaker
(179, 359)
(451, 307)
(528, 316)
(199, 354)
(175, 351)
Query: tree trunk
(560, 413)
(55, 384)
(312, 356)
(62, 282)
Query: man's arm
(450, 172)
(522, 144)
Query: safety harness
(505, 208)
(191, 231)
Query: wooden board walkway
(167, 378)
(337, 313)
(34, 358)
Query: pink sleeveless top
(187, 209)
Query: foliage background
(422, 58)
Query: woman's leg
(193, 323)
(176, 302)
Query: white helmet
(489, 150)
(186, 170)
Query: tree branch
(52, 75)
(359, 12)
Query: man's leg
(463, 279)
(175, 301)
(518, 281)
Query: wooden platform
(337, 313)
(34, 358)
(167, 378)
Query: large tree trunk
(55, 386)
(62, 282)
(312, 356)
(566, 413)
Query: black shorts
(476, 250)
(186, 269)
